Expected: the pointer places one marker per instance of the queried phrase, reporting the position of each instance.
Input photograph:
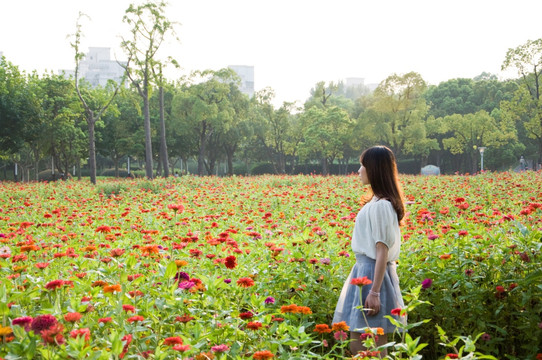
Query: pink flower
(220, 348)
(340, 335)
(22, 321)
(181, 348)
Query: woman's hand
(372, 303)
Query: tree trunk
(201, 155)
(116, 162)
(163, 144)
(325, 169)
(148, 140)
(91, 150)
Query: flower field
(251, 268)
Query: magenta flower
(269, 300)
(43, 322)
(186, 285)
(426, 284)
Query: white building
(246, 73)
(97, 67)
(354, 82)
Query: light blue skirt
(390, 298)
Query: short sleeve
(383, 218)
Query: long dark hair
(381, 167)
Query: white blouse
(377, 222)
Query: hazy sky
(291, 43)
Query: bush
(111, 189)
(123, 173)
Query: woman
(376, 241)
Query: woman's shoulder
(383, 205)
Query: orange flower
(174, 340)
(181, 263)
(340, 326)
(288, 309)
(150, 249)
(322, 328)
(112, 288)
(262, 355)
(445, 256)
(304, 310)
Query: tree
(327, 130)
(240, 128)
(15, 100)
(120, 136)
(271, 128)
(401, 109)
(465, 134)
(149, 29)
(527, 60)
(203, 104)
(61, 134)
(94, 104)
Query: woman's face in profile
(363, 175)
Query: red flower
(128, 308)
(254, 325)
(176, 207)
(452, 356)
(103, 229)
(105, 320)
(135, 318)
(361, 281)
(73, 317)
(53, 335)
(174, 340)
(184, 319)
(396, 312)
(231, 262)
(85, 332)
(128, 339)
(245, 282)
(55, 284)
(246, 315)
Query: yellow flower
(5, 330)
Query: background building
(97, 67)
(246, 73)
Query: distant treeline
(209, 121)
